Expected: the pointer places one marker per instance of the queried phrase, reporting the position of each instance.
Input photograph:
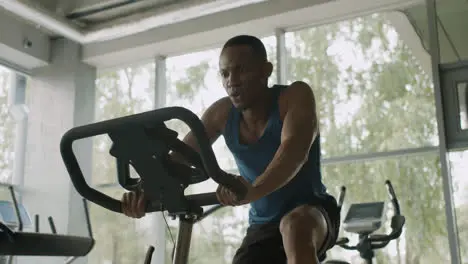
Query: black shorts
(264, 244)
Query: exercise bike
(364, 219)
(144, 142)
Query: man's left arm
(300, 128)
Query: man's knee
(304, 219)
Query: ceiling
(88, 21)
(112, 31)
(91, 13)
(452, 28)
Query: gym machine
(144, 142)
(18, 243)
(364, 219)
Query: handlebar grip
(342, 196)
(393, 198)
(76, 175)
(234, 184)
(391, 191)
(149, 255)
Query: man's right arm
(214, 120)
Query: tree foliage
(6, 129)
(381, 101)
(119, 93)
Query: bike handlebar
(208, 158)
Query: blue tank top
(253, 159)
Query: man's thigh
(261, 245)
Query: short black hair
(254, 43)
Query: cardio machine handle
(149, 118)
(342, 196)
(393, 198)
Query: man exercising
(274, 136)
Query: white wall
(61, 96)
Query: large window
(459, 169)
(7, 135)
(194, 83)
(373, 96)
(120, 92)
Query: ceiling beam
(212, 30)
(22, 46)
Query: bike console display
(144, 142)
(364, 218)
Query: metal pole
(157, 218)
(182, 249)
(431, 6)
(281, 52)
(160, 82)
(366, 157)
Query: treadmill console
(8, 215)
(364, 218)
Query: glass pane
(7, 129)
(459, 168)
(270, 45)
(463, 104)
(194, 83)
(120, 239)
(372, 93)
(418, 186)
(120, 92)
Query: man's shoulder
(294, 89)
(223, 103)
(288, 94)
(218, 112)
(222, 106)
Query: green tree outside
(7, 128)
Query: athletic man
(273, 135)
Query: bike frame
(184, 238)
